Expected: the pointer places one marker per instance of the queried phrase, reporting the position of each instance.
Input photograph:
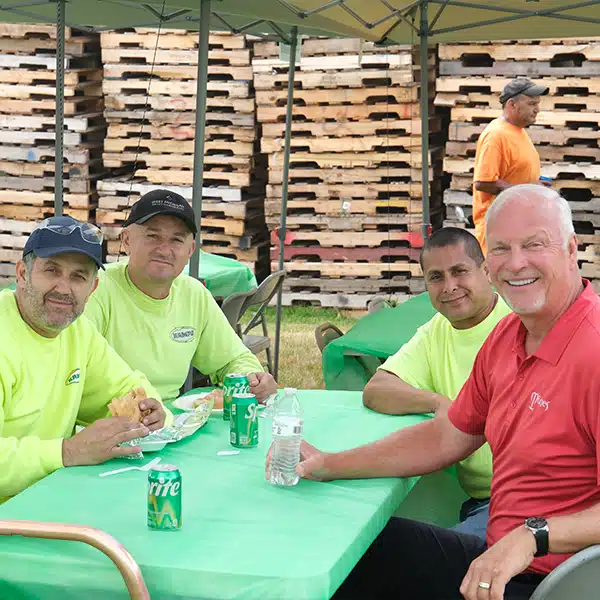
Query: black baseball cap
(162, 202)
(522, 85)
(59, 235)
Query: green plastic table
(241, 536)
(222, 276)
(379, 334)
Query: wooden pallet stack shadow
(27, 130)
(355, 209)
(566, 133)
(150, 85)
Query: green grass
(300, 358)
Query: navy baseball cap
(59, 235)
(162, 202)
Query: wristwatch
(539, 527)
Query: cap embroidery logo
(183, 334)
(74, 377)
(537, 400)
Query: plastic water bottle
(288, 422)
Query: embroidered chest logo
(74, 377)
(538, 401)
(183, 334)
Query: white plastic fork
(145, 467)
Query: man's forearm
(423, 448)
(572, 533)
(388, 394)
(492, 187)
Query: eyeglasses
(89, 233)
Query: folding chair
(88, 535)
(577, 577)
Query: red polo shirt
(541, 417)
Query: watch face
(536, 522)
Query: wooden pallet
(337, 62)
(242, 164)
(33, 92)
(557, 86)
(384, 128)
(237, 58)
(211, 178)
(319, 46)
(40, 170)
(74, 46)
(28, 198)
(176, 103)
(570, 153)
(518, 52)
(571, 103)
(39, 138)
(45, 61)
(178, 117)
(379, 255)
(350, 160)
(26, 30)
(349, 269)
(347, 192)
(532, 69)
(38, 213)
(344, 144)
(395, 284)
(176, 146)
(338, 300)
(78, 124)
(370, 95)
(74, 79)
(77, 185)
(74, 156)
(359, 239)
(364, 78)
(553, 118)
(179, 132)
(339, 207)
(538, 135)
(465, 182)
(168, 40)
(338, 113)
(139, 187)
(342, 176)
(176, 72)
(73, 106)
(215, 89)
(316, 223)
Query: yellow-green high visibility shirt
(439, 358)
(161, 338)
(46, 386)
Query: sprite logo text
(163, 490)
(251, 412)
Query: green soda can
(234, 383)
(164, 498)
(244, 421)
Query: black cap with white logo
(162, 202)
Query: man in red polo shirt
(534, 395)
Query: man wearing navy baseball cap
(172, 316)
(55, 368)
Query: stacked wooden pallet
(354, 209)
(566, 134)
(27, 132)
(150, 81)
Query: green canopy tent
(384, 21)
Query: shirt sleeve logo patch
(74, 377)
(183, 334)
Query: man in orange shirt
(505, 155)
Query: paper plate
(186, 403)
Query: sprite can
(234, 383)
(243, 428)
(164, 498)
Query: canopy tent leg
(200, 127)
(284, 187)
(60, 108)
(424, 39)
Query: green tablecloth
(379, 334)
(222, 276)
(241, 537)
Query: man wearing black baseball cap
(159, 320)
(55, 368)
(505, 155)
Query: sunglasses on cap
(89, 233)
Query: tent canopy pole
(284, 187)
(60, 108)
(424, 39)
(198, 182)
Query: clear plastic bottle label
(287, 428)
